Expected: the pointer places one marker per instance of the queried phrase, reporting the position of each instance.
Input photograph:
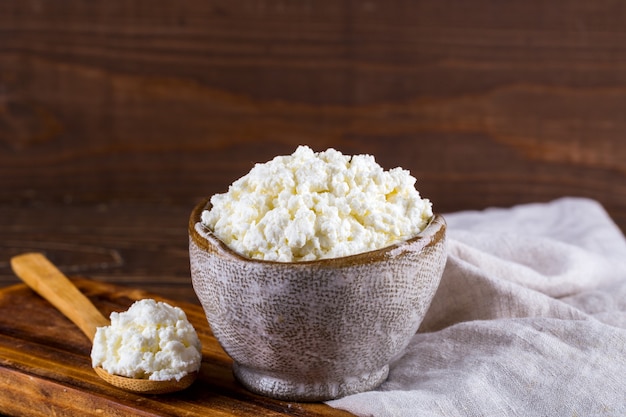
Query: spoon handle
(46, 280)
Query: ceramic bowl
(315, 330)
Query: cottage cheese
(151, 340)
(309, 205)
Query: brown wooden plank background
(116, 117)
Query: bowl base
(292, 389)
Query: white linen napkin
(529, 320)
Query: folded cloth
(529, 320)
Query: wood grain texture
(45, 367)
(138, 245)
(486, 102)
(46, 280)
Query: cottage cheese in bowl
(318, 330)
(316, 205)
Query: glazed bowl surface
(315, 330)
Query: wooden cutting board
(45, 367)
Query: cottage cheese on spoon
(309, 206)
(151, 340)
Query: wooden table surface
(117, 117)
(45, 367)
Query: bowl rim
(204, 237)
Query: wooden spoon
(46, 280)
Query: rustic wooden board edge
(49, 397)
